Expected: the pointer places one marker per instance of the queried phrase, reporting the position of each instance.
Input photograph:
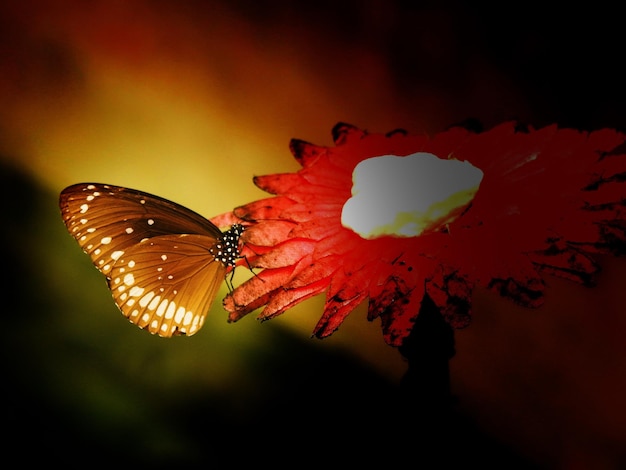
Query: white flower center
(406, 196)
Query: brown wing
(163, 262)
(167, 284)
(106, 220)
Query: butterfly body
(163, 262)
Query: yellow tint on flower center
(406, 196)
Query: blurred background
(191, 99)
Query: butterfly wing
(164, 263)
(106, 220)
(166, 284)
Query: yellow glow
(186, 107)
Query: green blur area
(83, 385)
(189, 100)
(80, 379)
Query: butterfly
(163, 263)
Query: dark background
(190, 99)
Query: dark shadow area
(298, 403)
(81, 389)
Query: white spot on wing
(180, 313)
(146, 298)
(136, 291)
(162, 306)
(129, 279)
(154, 302)
(170, 310)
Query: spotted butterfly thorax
(163, 263)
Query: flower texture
(548, 200)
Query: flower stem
(428, 350)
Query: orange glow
(189, 105)
(191, 99)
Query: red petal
(245, 298)
(306, 212)
(567, 262)
(286, 253)
(287, 298)
(340, 242)
(344, 133)
(335, 313)
(305, 152)
(346, 291)
(281, 183)
(263, 209)
(398, 306)
(309, 270)
(452, 294)
(268, 232)
(326, 173)
(316, 229)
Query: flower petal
(256, 292)
(270, 208)
(345, 292)
(397, 306)
(565, 261)
(278, 184)
(305, 152)
(269, 233)
(451, 293)
(286, 253)
(549, 198)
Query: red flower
(548, 199)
